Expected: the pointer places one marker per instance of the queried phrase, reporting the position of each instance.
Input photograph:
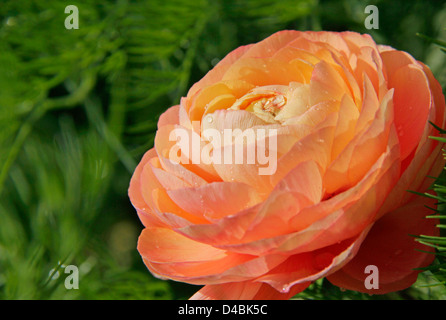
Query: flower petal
(245, 291)
(411, 100)
(215, 200)
(390, 247)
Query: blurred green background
(78, 108)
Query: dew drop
(11, 21)
(210, 119)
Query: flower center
(271, 105)
(274, 104)
(265, 102)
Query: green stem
(51, 104)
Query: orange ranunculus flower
(351, 122)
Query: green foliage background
(78, 108)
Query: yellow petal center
(274, 104)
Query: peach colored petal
(332, 221)
(170, 116)
(366, 65)
(301, 55)
(245, 291)
(262, 72)
(269, 46)
(226, 230)
(169, 140)
(183, 116)
(172, 255)
(361, 152)
(315, 115)
(250, 154)
(300, 188)
(345, 281)
(198, 272)
(307, 267)
(299, 62)
(156, 198)
(366, 59)
(212, 200)
(181, 172)
(174, 221)
(231, 119)
(164, 245)
(314, 145)
(168, 180)
(356, 41)
(345, 127)
(416, 177)
(370, 105)
(438, 98)
(136, 197)
(163, 142)
(334, 39)
(150, 184)
(342, 64)
(326, 84)
(217, 73)
(135, 183)
(231, 268)
(322, 51)
(411, 97)
(206, 97)
(390, 247)
(163, 203)
(394, 60)
(427, 159)
(223, 101)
